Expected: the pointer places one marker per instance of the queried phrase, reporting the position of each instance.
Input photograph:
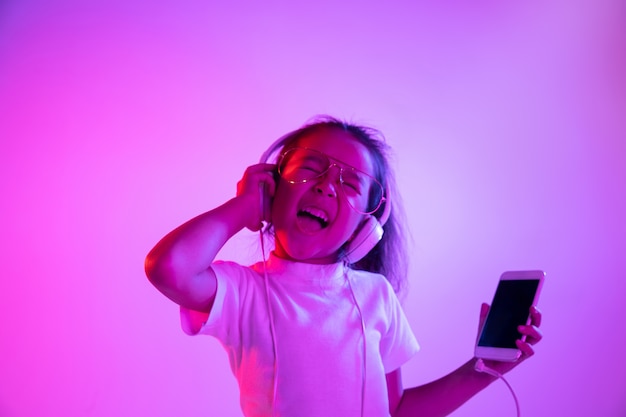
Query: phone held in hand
(516, 292)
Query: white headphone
(368, 234)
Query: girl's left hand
(531, 331)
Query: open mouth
(313, 219)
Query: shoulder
(232, 273)
(234, 267)
(370, 279)
(372, 285)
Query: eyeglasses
(363, 192)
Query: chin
(308, 256)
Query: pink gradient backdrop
(119, 122)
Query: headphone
(369, 232)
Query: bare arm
(444, 395)
(180, 264)
(394, 389)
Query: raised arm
(180, 264)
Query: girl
(316, 329)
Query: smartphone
(266, 199)
(516, 292)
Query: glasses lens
(301, 165)
(362, 191)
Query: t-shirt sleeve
(399, 344)
(230, 276)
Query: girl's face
(313, 220)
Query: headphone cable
(271, 319)
(364, 362)
(480, 366)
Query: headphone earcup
(367, 236)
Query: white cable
(271, 318)
(273, 330)
(364, 366)
(481, 367)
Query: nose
(328, 183)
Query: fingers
(526, 349)
(484, 310)
(535, 316)
(531, 334)
(258, 185)
(531, 331)
(269, 182)
(255, 175)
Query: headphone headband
(278, 144)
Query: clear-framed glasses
(363, 192)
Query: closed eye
(353, 182)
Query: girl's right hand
(258, 185)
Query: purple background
(120, 121)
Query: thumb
(484, 310)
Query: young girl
(316, 329)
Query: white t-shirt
(320, 368)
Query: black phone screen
(509, 309)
